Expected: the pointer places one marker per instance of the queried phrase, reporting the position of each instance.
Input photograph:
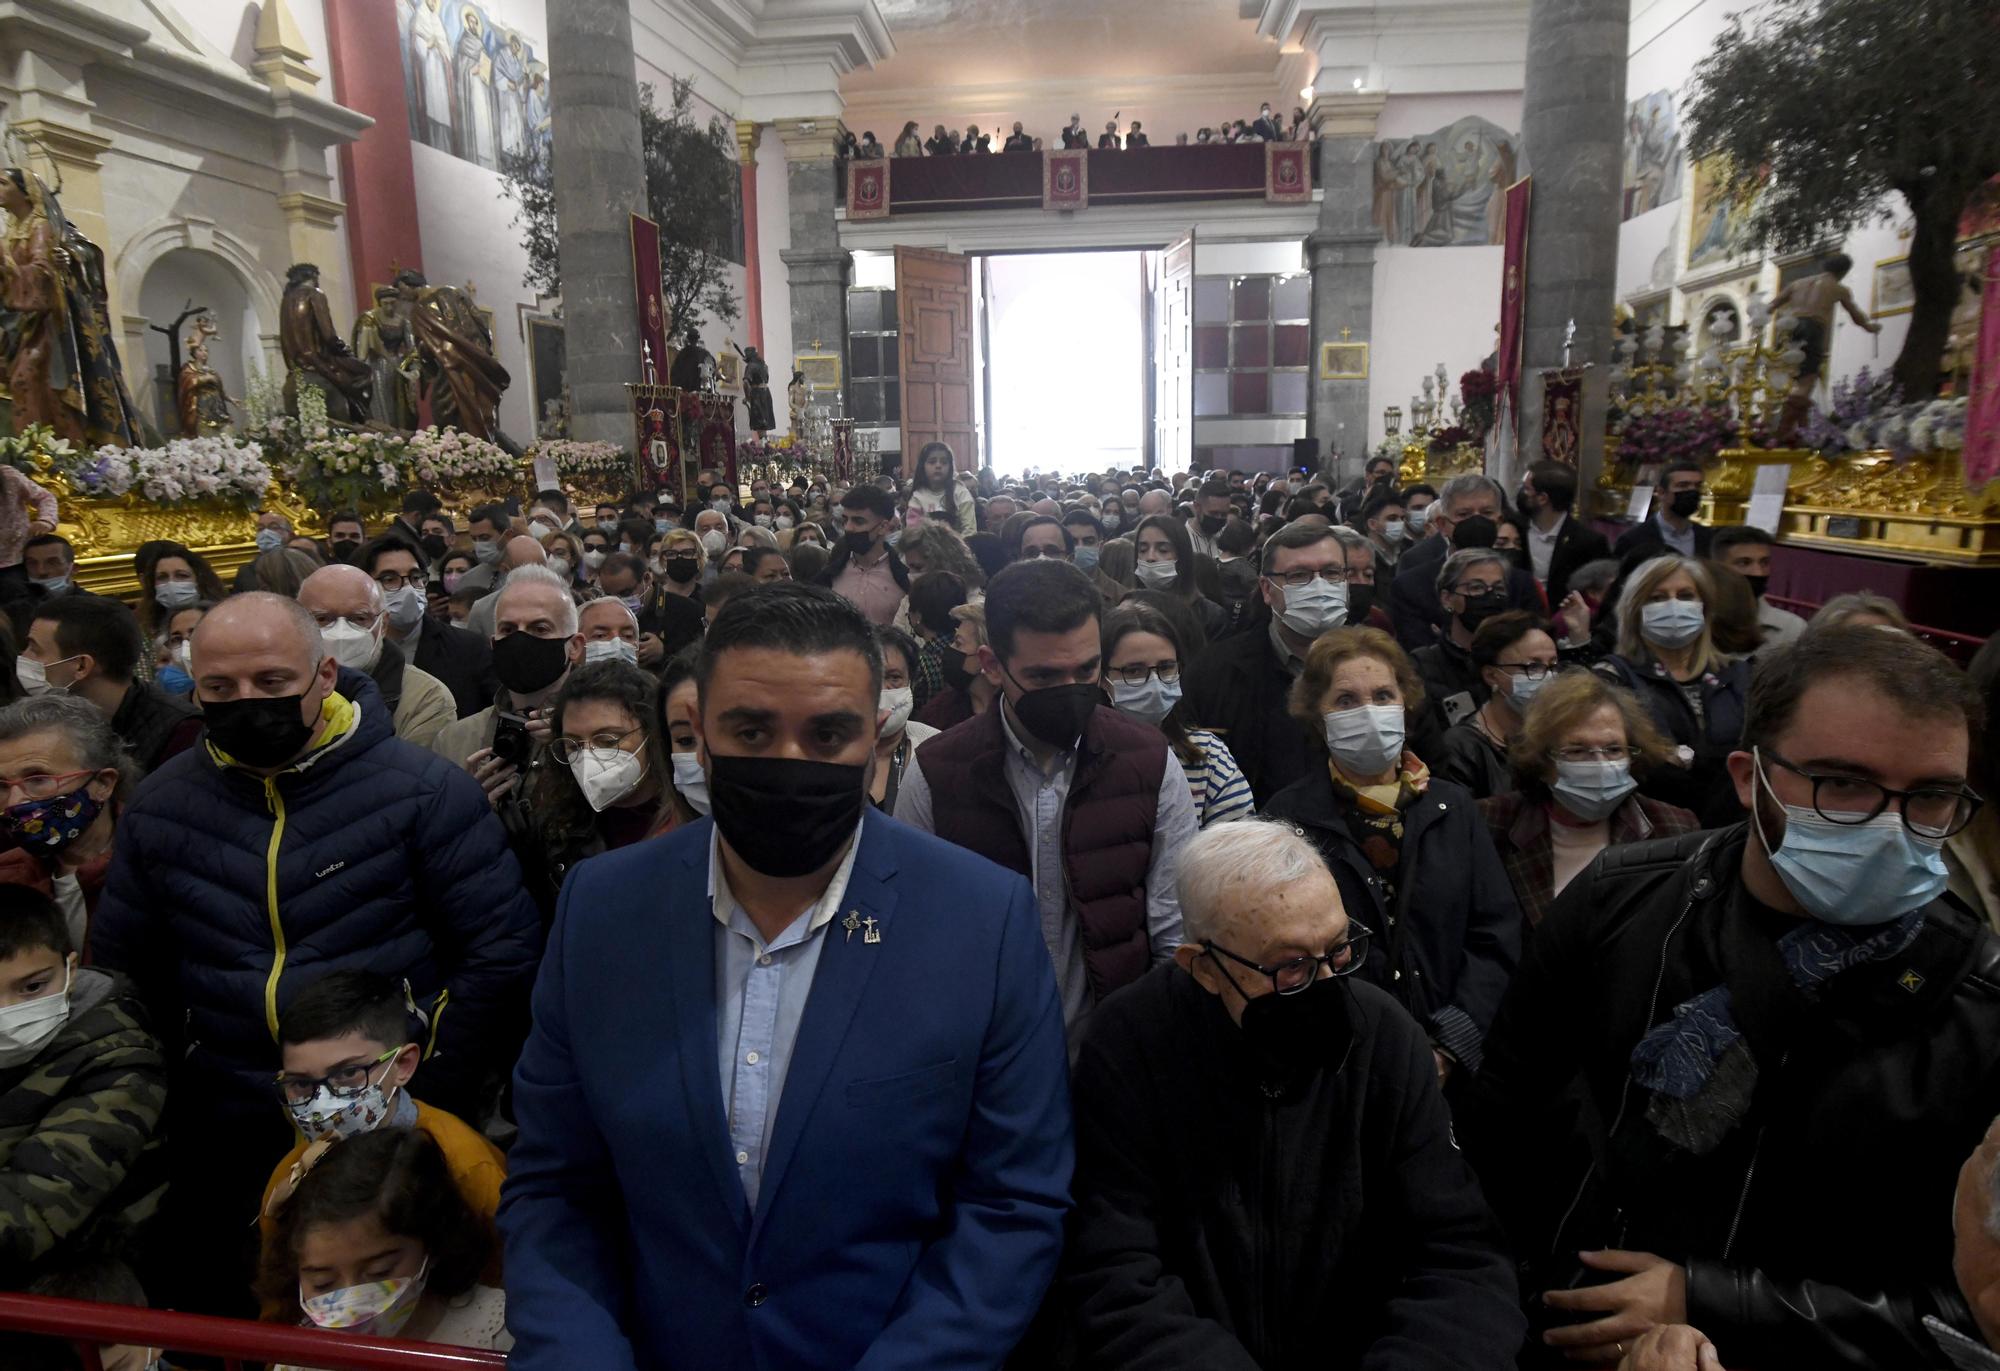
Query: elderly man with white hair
(1266, 1176)
(348, 606)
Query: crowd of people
(1266, 127)
(1222, 920)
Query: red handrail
(92, 1325)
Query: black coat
(1465, 757)
(154, 725)
(1577, 543)
(1886, 1081)
(1238, 689)
(1453, 691)
(1642, 542)
(1220, 1229)
(1705, 787)
(463, 661)
(1414, 607)
(1449, 943)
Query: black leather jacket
(1818, 1232)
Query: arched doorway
(178, 277)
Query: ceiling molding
(962, 99)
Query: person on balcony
(910, 143)
(1108, 140)
(941, 144)
(1073, 136)
(1017, 141)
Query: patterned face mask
(48, 826)
(327, 1115)
(378, 1308)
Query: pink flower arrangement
(186, 470)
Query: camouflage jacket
(74, 1121)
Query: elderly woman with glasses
(1515, 655)
(62, 773)
(1407, 850)
(1259, 1056)
(1582, 747)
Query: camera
(512, 742)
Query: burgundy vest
(1107, 838)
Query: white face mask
(34, 676)
(607, 775)
(899, 701)
(611, 650)
(1315, 607)
(783, 521)
(714, 543)
(1156, 575)
(560, 566)
(183, 655)
(1366, 740)
(593, 558)
(357, 649)
(1671, 623)
(26, 1028)
(691, 781)
(405, 607)
(1393, 530)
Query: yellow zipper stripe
(277, 803)
(437, 1018)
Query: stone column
(600, 184)
(1573, 131)
(1341, 253)
(815, 264)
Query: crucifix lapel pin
(874, 933)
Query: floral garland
(1673, 435)
(1478, 392)
(574, 457)
(1868, 415)
(21, 450)
(446, 456)
(184, 471)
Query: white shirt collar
(1555, 530)
(722, 902)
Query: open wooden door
(1173, 358)
(934, 319)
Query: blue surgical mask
(1521, 691)
(52, 585)
(173, 680)
(486, 550)
(1417, 518)
(1366, 740)
(176, 594)
(611, 650)
(1855, 875)
(1149, 701)
(1086, 559)
(660, 526)
(1315, 607)
(1593, 790)
(269, 540)
(1671, 623)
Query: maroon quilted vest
(1107, 839)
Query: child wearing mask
(375, 1239)
(349, 1052)
(82, 1083)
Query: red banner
(1562, 413)
(1513, 289)
(646, 285)
(868, 189)
(1066, 179)
(1288, 173)
(1982, 411)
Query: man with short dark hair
(667, 623)
(1672, 527)
(1758, 1016)
(89, 646)
(858, 1086)
(408, 525)
(1746, 550)
(1044, 536)
(1385, 519)
(345, 533)
(488, 526)
(1056, 784)
(461, 660)
(1240, 686)
(1211, 512)
(1414, 608)
(49, 563)
(864, 570)
(1558, 543)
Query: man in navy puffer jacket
(303, 838)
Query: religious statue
(315, 353)
(797, 394)
(1811, 301)
(757, 393)
(694, 366)
(201, 403)
(383, 339)
(463, 380)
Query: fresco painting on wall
(1718, 217)
(1449, 188)
(1655, 162)
(475, 87)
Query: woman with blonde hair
(1860, 608)
(1583, 747)
(680, 559)
(565, 551)
(1694, 692)
(936, 546)
(1413, 861)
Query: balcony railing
(1013, 180)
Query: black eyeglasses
(1534, 671)
(1933, 812)
(1294, 974)
(567, 750)
(345, 1082)
(1168, 672)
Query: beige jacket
(425, 710)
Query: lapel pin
(874, 933)
(852, 922)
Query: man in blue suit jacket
(796, 1094)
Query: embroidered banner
(646, 284)
(1513, 289)
(868, 189)
(1562, 409)
(1288, 173)
(1982, 411)
(1066, 179)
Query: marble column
(600, 184)
(1573, 130)
(1341, 254)
(753, 267)
(816, 266)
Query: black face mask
(1479, 608)
(1057, 714)
(1758, 585)
(957, 674)
(682, 568)
(783, 816)
(1475, 530)
(1684, 503)
(857, 544)
(526, 664)
(261, 733)
(1212, 524)
(434, 545)
(1291, 1035)
(343, 549)
(1360, 599)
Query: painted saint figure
(430, 54)
(510, 95)
(473, 83)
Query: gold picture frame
(822, 370)
(1891, 292)
(1343, 361)
(729, 373)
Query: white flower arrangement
(184, 471)
(441, 456)
(576, 458)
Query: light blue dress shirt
(761, 992)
